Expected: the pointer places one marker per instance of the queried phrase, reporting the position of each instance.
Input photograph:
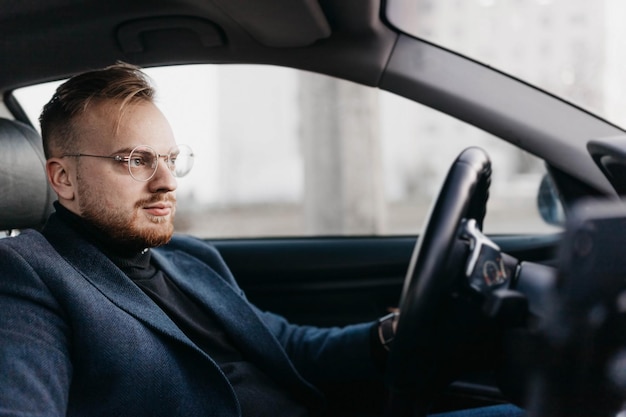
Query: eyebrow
(126, 150)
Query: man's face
(134, 213)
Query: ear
(58, 171)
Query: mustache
(157, 198)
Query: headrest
(25, 196)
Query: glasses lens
(142, 163)
(181, 160)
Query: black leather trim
(25, 196)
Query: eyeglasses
(143, 161)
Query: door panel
(337, 281)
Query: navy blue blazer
(78, 337)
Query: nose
(163, 179)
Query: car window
(281, 152)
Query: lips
(159, 209)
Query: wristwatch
(386, 331)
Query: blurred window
(281, 152)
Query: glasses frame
(166, 157)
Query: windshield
(571, 48)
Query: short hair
(120, 82)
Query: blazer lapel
(217, 296)
(238, 317)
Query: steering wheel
(413, 374)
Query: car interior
(543, 329)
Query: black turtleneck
(257, 392)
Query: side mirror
(549, 204)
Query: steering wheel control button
(486, 267)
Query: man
(106, 313)
(97, 321)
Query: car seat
(25, 195)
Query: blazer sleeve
(35, 367)
(326, 355)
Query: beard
(122, 227)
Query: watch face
(386, 329)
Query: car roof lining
(279, 23)
(325, 36)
